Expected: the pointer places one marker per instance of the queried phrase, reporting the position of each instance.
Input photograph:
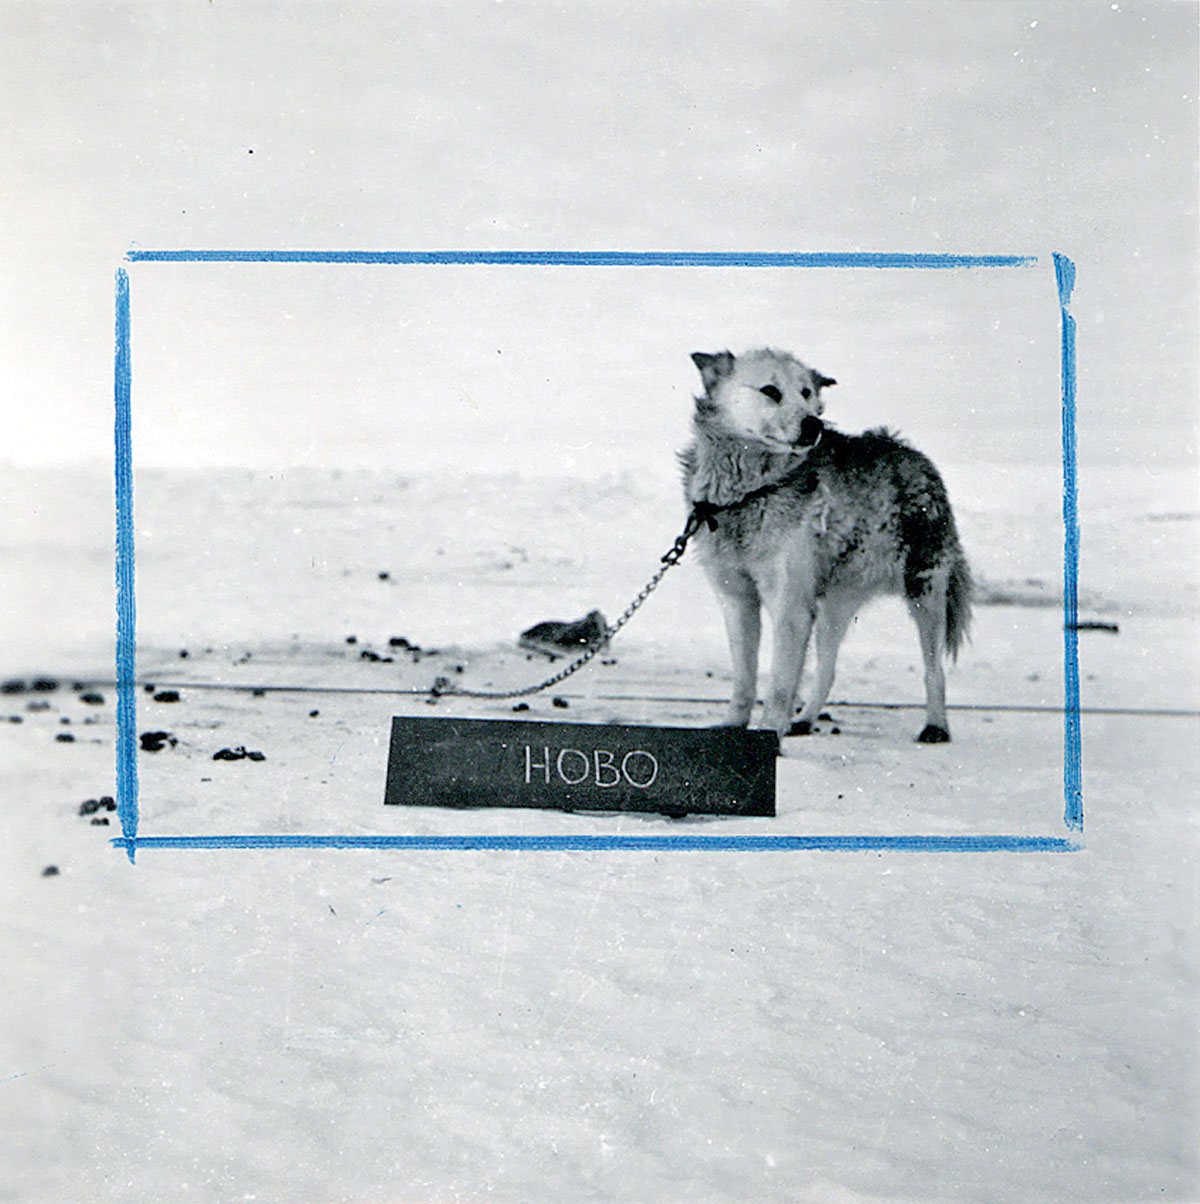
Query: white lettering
(574, 767)
(603, 760)
(627, 774)
(530, 766)
(574, 752)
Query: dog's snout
(810, 430)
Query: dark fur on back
(887, 490)
(926, 529)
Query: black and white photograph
(601, 601)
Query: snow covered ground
(618, 1026)
(369, 1027)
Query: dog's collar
(705, 513)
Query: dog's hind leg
(741, 608)
(928, 610)
(836, 612)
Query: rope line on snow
(852, 704)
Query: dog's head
(763, 396)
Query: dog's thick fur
(832, 521)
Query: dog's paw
(932, 734)
(801, 727)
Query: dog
(796, 518)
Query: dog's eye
(772, 392)
(806, 392)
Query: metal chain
(443, 686)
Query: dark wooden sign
(581, 767)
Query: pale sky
(955, 125)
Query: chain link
(444, 687)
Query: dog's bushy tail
(959, 591)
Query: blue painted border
(1064, 271)
(126, 649)
(670, 259)
(701, 844)
(126, 642)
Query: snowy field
(382, 1026)
(417, 463)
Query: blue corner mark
(1064, 271)
(127, 781)
(583, 843)
(675, 259)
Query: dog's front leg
(794, 618)
(741, 608)
(834, 616)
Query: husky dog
(810, 523)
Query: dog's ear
(712, 367)
(821, 381)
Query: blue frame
(126, 632)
